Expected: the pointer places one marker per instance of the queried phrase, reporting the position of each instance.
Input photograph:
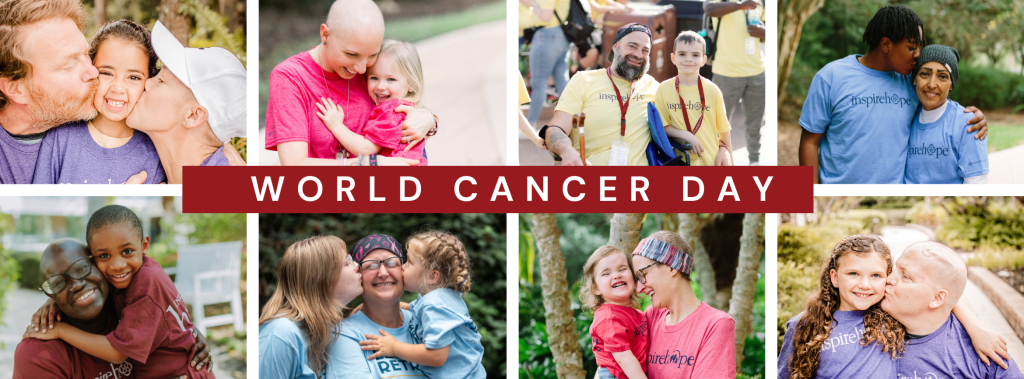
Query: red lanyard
(682, 105)
(623, 107)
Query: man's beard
(50, 109)
(626, 70)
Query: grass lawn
(409, 30)
(1004, 136)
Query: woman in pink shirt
(687, 338)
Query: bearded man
(615, 103)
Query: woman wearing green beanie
(940, 152)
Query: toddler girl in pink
(395, 79)
(619, 330)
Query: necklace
(348, 95)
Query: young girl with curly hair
(449, 343)
(619, 330)
(843, 331)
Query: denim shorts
(603, 373)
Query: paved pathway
(21, 304)
(1005, 166)
(467, 95)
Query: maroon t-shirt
(616, 329)
(53, 359)
(155, 328)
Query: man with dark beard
(615, 102)
(46, 78)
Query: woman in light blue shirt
(300, 322)
(940, 151)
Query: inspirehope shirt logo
(612, 97)
(842, 339)
(929, 150)
(915, 375)
(690, 105)
(884, 98)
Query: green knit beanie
(943, 54)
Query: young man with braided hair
(857, 115)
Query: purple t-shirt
(217, 159)
(69, 155)
(948, 353)
(842, 355)
(17, 159)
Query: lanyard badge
(682, 106)
(620, 149)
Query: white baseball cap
(215, 77)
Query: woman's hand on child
(384, 344)
(50, 334)
(331, 114)
(43, 318)
(416, 125)
(201, 359)
(977, 122)
(990, 345)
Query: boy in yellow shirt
(704, 123)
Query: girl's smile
(614, 280)
(123, 70)
(860, 279)
(385, 82)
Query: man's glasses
(78, 270)
(390, 263)
(641, 274)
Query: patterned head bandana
(373, 242)
(663, 252)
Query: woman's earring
(325, 42)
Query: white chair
(209, 274)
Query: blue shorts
(603, 373)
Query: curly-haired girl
(609, 291)
(832, 337)
(438, 269)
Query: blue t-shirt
(948, 353)
(442, 319)
(942, 152)
(284, 350)
(842, 355)
(865, 117)
(347, 360)
(69, 155)
(17, 159)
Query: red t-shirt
(296, 86)
(701, 346)
(56, 359)
(385, 130)
(616, 329)
(155, 328)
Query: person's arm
(988, 344)
(809, 145)
(526, 129)
(686, 136)
(201, 358)
(93, 344)
(418, 123)
(725, 152)
(978, 122)
(756, 31)
(334, 118)
(629, 364)
(296, 153)
(43, 318)
(786, 353)
(387, 346)
(557, 139)
(714, 8)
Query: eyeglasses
(56, 283)
(390, 263)
(641, 274)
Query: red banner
(498, 189)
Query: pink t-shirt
(56, 359)
(155, 328)
(296, 86)
(385, 130)
(701, 346)
(617, 329)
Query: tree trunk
(670, 221)
(792, 15)
(100, 13)
(229, 10)
(561, 326)
(745, 286)
(690, 225)
(177, 23)
(625, 231)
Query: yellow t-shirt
(595, 15)
(561, 7)
(592, 93)
(731, 58)
(526, 18)
(715, 119)
(524, 97)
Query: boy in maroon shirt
(155, 329)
